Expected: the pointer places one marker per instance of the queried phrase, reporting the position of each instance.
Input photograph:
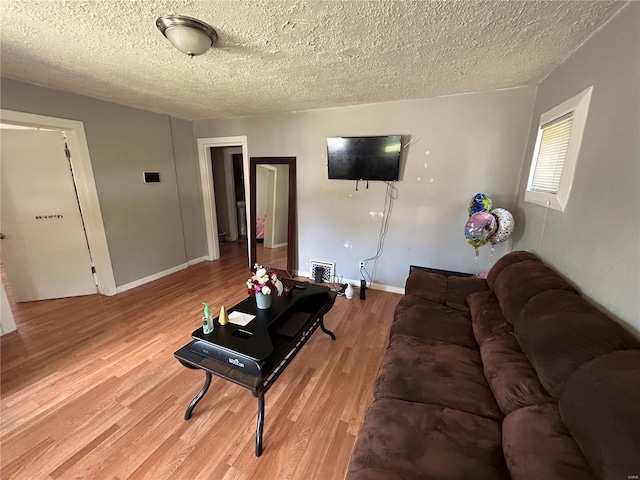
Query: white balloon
(506, 224)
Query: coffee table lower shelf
(285, 350)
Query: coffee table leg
(194, 402)
(260, 425)
(324, 329)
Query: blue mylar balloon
(480, 203)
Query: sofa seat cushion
(510, 375)
(562, 331)
(537, 445)
(413, 441)
(520, 282)
(418, 318)
(600, 405)
(459, 288)
(486, 317)
(438, 373)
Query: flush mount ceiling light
(189, 35)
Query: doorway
(45, 253)
(205, 147)
(272, 207)
(80, 167)
(228, 183)
(272, 210)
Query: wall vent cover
(328, 270)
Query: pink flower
(264, 280)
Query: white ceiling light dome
(189, 35)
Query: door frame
(85, 186)
(208, 196)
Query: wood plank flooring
(272, 257)
(91, 390)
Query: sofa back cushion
(430, 286)
(486, 317)
(511, 377)
(459, 288)
(520, 282)
(600, 405)
(559, 331)
(504, 262)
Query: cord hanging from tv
(359, 181)
(364, 158)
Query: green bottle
(207, 321)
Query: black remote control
(299, 287)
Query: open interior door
(45, 252)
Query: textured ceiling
(275, 56)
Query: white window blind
(551, 154)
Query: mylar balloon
(506, 224)
(479, 228)
(480, 203)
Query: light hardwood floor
(271, 257)
(91, 390)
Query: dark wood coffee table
(254, 356)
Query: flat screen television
(364, 158)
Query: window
(556, 152)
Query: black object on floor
(317, 274)
(363, 288)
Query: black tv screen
(364, 158)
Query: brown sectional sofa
(513, 377)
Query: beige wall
(189, 188)
(595, 241)
(143, 222)
(475, 143)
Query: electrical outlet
(361, 264)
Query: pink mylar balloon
(479, 228)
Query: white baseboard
(150, 278)
(197, 260)
(278, 245)
(387, 288)
(356, 283)
(375, 286)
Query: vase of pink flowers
(263, 284)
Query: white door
(44, 252)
